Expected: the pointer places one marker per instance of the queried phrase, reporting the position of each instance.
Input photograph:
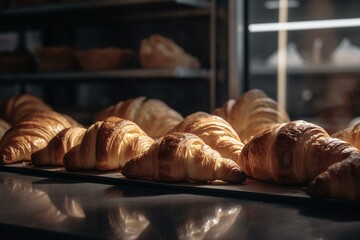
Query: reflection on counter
(127, 224)
(37, 203)
(212, 226)
(119, 213)
(100, 211)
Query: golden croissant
(214, 131)
(180, 157)
(339, 181)
(292, 153)
(108, 145)
(16, 107)
(251, 113)
(60, 144)
(351, 135)
(31, 134)
(157, 51)
(152, 115)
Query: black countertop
(53, 208)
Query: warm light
(304, 25)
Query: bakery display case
(73, 32)
(179, 119)
(310, 60)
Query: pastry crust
(251, 113)
(214, 131)
(60, 144)
(31, 134)
(180, 157)
(107, 145)
(153, 116)
(158, 51)
(15, 107)
(292, 153)
(339, 181)
(351, 135)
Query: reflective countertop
(66, 209)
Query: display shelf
(116, 23)
(93, 12)
(175, 73)
(96, 4)
(258, 69)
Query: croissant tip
(316, 188)
(237, 176)
(3, 160)
(34, 159)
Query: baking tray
(250, 189)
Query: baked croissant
(182, 156)
(340, 181)
(158, 51)
(351, 135)
(107, 145)
(31, 134)
(60, 144)
(251, 113)
(152, 115)
(292, 153)
(214, 131)
(4, 126)
(16, 107)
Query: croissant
(340, 181)
(180, 157)
(292, 153)
(107, 145)
(351, 135)
(158, 51)
(60, 144)
(214, 131)
(16, 107)
(31, 134)
(152, 115)
(4, 126)
(251, 113)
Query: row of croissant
(146, 139)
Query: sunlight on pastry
(214, 226)
(126, 224)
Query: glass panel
(321, 60)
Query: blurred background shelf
(262, 69)
(174, 73)
(94, 12)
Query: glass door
(306, 55)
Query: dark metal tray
(250, 189)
